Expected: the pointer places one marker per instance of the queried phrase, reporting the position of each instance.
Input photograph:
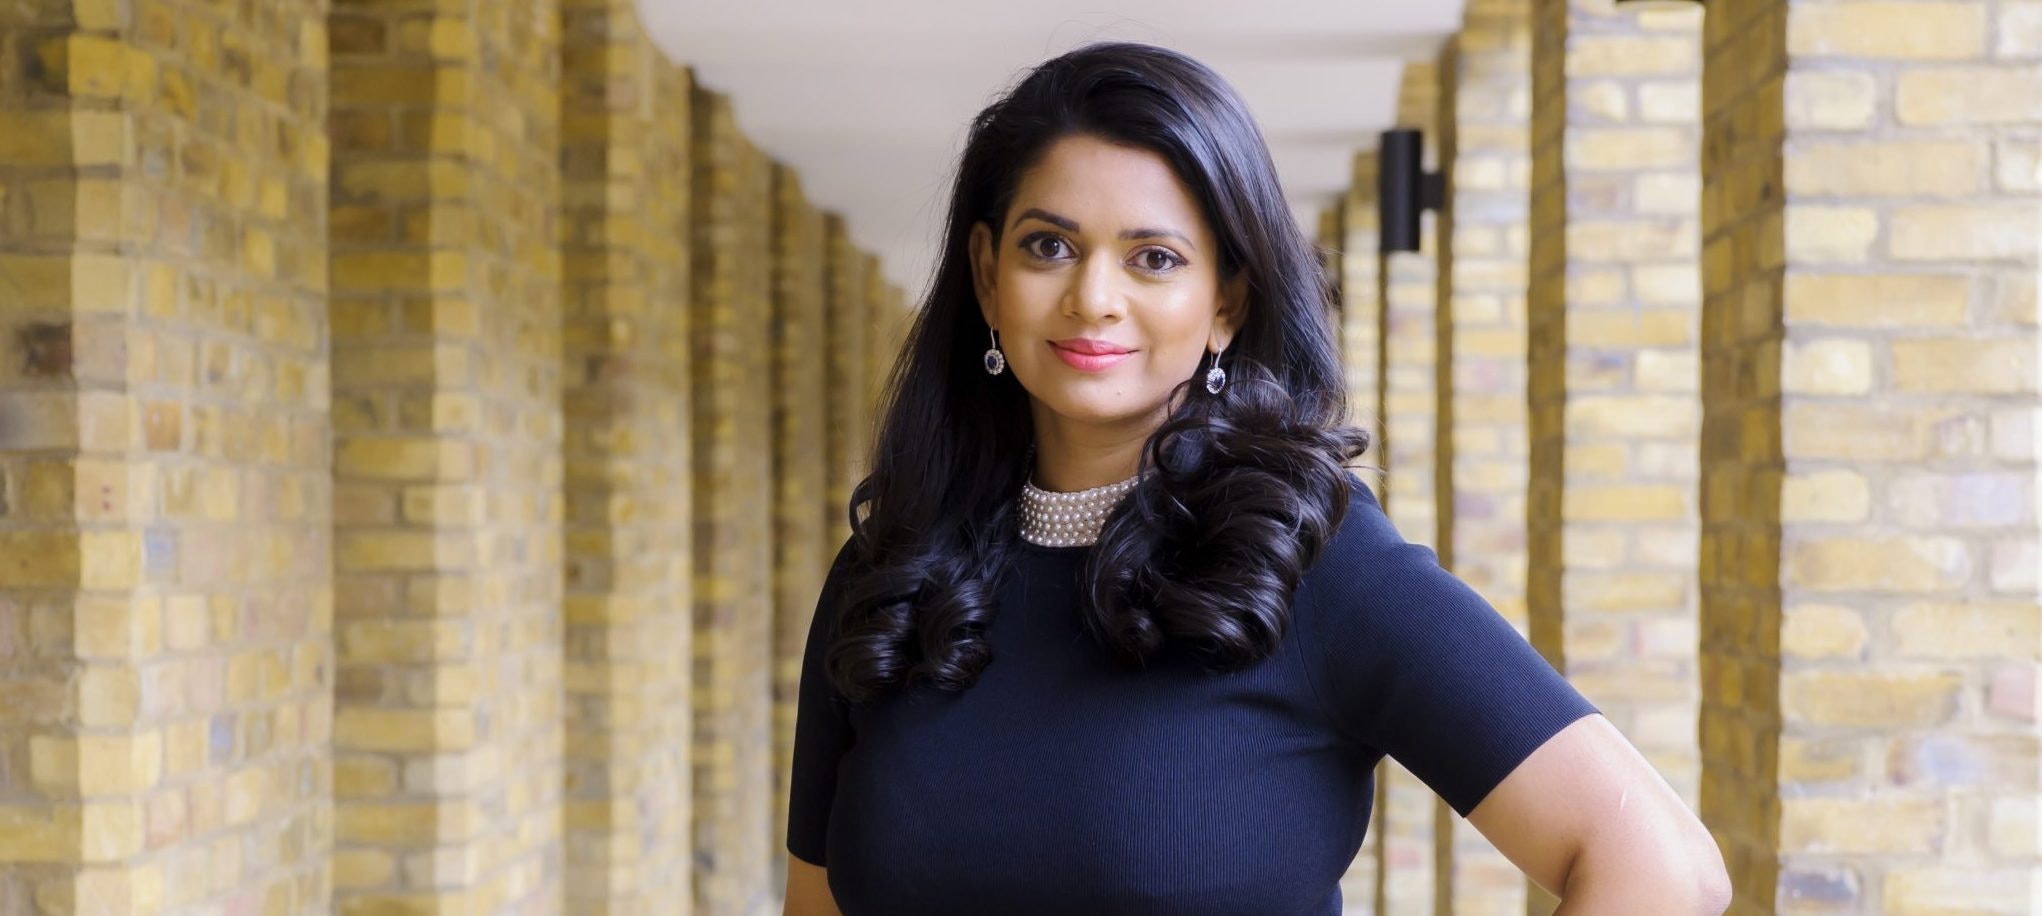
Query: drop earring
(996, 362)
(1215, 377)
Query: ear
(984, 270)
(1232, 311)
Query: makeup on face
(1089, 355)
(1104, 293)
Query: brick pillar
(733, 473)
(1439, 146)
(801, 415)
(1869, 354)
(447, 475)
(165, 603)
(850, 412)
(1329, 243)
(899, 315)
(626, 260)
(888, 326)
(1615, 301)
(1485, 155)
(1405, 812)
(1361, 315)
(1330, 237)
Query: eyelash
(1028, 245)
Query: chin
(1078, 408)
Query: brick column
(1485, 157)
(447, 439)
(801, 414)
(626, 188)
(1869, 356)
(850, 412)
(733, 475)
(889, 326)
(1361, 315)
(1615, 299)
(1406, 819)
(1360, 326)
(1331, 235)
(1329, 244)
(165, 603)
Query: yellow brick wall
(1742, 460)
(1406, 813)
(1329, 239)
(1441, 141)
(732, 399)
(1869, 389)
(447, 458)
(1546, 345)
(1615, 414)
(1616, 301)
(625, 195)
(164, 579)
(1410, 338)
(801, 414)
(293, 616)
(1330, 242)
(1485, 157)
(1867, 466)
(1361, 312)
(850, 413)
(1359, 262)
(889, 327)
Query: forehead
(1107, 187)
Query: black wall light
(1404, 189)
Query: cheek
(1033, 292)
(1177, 329)
(1027, 308)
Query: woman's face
(1105, 285)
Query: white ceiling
(870, 100)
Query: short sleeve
(1415, 663)
(822, 729)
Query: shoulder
(1371, 586)
(846, 554)
(823, 625)
(1366, 546)
(1414, 661)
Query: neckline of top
(1070, 550)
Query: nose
(1094, 294)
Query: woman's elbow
(1712, 896)
(1682, 877)
(1714, 887)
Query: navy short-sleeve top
(1062, 783)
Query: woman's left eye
(1169, 260)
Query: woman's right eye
(1033, 246)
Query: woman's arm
(808, 890)
(1587, 818)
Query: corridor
(425, 425)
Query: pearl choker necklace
(1068, 519)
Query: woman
(1118, 631)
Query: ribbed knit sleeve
(822, 730)
(1413, 662)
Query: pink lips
(1087, 355)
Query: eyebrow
(1069, 225)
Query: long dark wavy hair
(1248, 484)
